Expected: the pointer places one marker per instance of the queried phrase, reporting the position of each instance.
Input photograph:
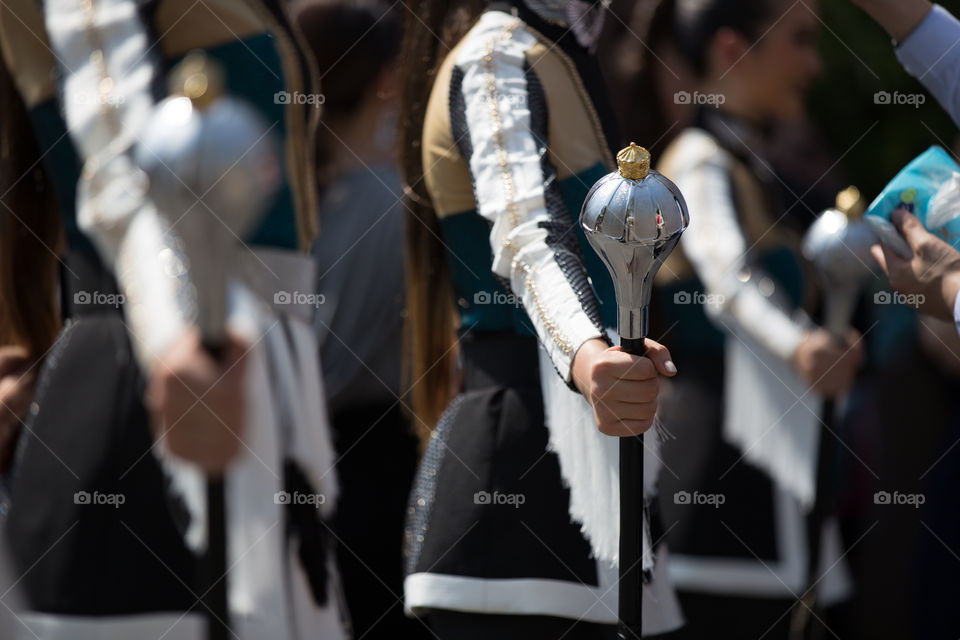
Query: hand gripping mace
(213, 170)
(633, 219)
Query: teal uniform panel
(483, 302)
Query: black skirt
(90, 527)
(489, 503)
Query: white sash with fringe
(590, 467)
(772, 417)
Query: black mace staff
(212, 170)
(633, 219)
(838, 244)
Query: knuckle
(598, 391)
(645, 367)
(602, 367)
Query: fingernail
(670, 367)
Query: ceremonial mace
(213, 170)
(633, 219)
(838, 244)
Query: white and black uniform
(105, 526)
(516, 506)
(743, 467)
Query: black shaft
(631, 523)
(215, 562)
(806, 619)
(214, 568)
(804, 623)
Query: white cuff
(929, 41)
(931, 54)
(562, 325)
(956, 311)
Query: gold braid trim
(510, 190)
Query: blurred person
(747, 418)
(8, 582)
(925, 36)
(651, 84)
(30, 243)
(360, 320)
(504, 127)
(921, 361)
(904, 556)
(655, 95)
(913, 356)
(131, 412)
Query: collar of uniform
(553, 11)
(579, 21)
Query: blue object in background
(915, 187)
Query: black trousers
(455, 625)
(378, 457)
(710, 616)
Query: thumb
(910, 226)
(660, 356)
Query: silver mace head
(213, 170)
(633, 219)
(838, 244)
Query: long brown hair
(30, 231)
(431, 29)
(633, 57)
(353, 43)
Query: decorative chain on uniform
(509, 189)
(561, 340)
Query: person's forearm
(898, 17)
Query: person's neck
(352, 142)
(737, 105)
(748, 117)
